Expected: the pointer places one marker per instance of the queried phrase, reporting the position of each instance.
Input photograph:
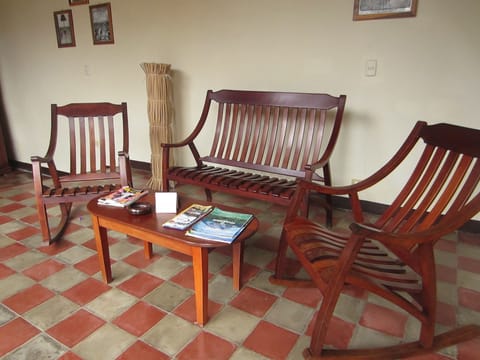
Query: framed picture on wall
(77, 2)
(64, 28)
(381, 9)
(101, 21)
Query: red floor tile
(138, 260)
(29, 298)
(140, 284)
(469, 264)
(75, 328)
(15, 333)
(90, 265)
(11, 251)
(141, 351)
(86, 291)
(271, 341)
(5, 271)
(24, 233)
(385, 320)
(187, 311)
(185, 278)
(135, 241)
(469, 238)
(180, 256)
(139, 318)
(339, 333)
(30, 219)
(90, 244)
(43, 270)
(56, 248)
(446, 245)
(72, 227)
(253, 301)
(269, 243)
(5, 219)
(446, 273)
(306, 296)
(70, 356)
(446, 314)
(22, 196)
(469, 298)
(11, 207)
(354, 292)
(207, 346)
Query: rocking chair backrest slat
(111, 138)
(73, 146)
(102, 151)
(91, 142)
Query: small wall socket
(371, 67)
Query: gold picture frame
(64, 28)
(383, 9)
(101, 22)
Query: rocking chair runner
(93, 159)
(392, 257)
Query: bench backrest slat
(281, 132)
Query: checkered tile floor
(54, 305)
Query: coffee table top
(152, 222)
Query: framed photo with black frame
(64, 28)
(102, 26)
(383, 9)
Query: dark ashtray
(140, 208)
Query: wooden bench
(261, 144)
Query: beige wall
(428, 66)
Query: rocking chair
(393, 257)
(92, 152)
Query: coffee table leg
(147, 249)
(237, 261)
(101, 241)
(200, 278)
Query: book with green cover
(187, 217)
(220, 225)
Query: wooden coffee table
(149, 228)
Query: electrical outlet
(371, 68)
(355, 180)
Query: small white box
(166, 202)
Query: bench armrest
(40, 159)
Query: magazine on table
(189, 216)
(122, 197)
(220, 225)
